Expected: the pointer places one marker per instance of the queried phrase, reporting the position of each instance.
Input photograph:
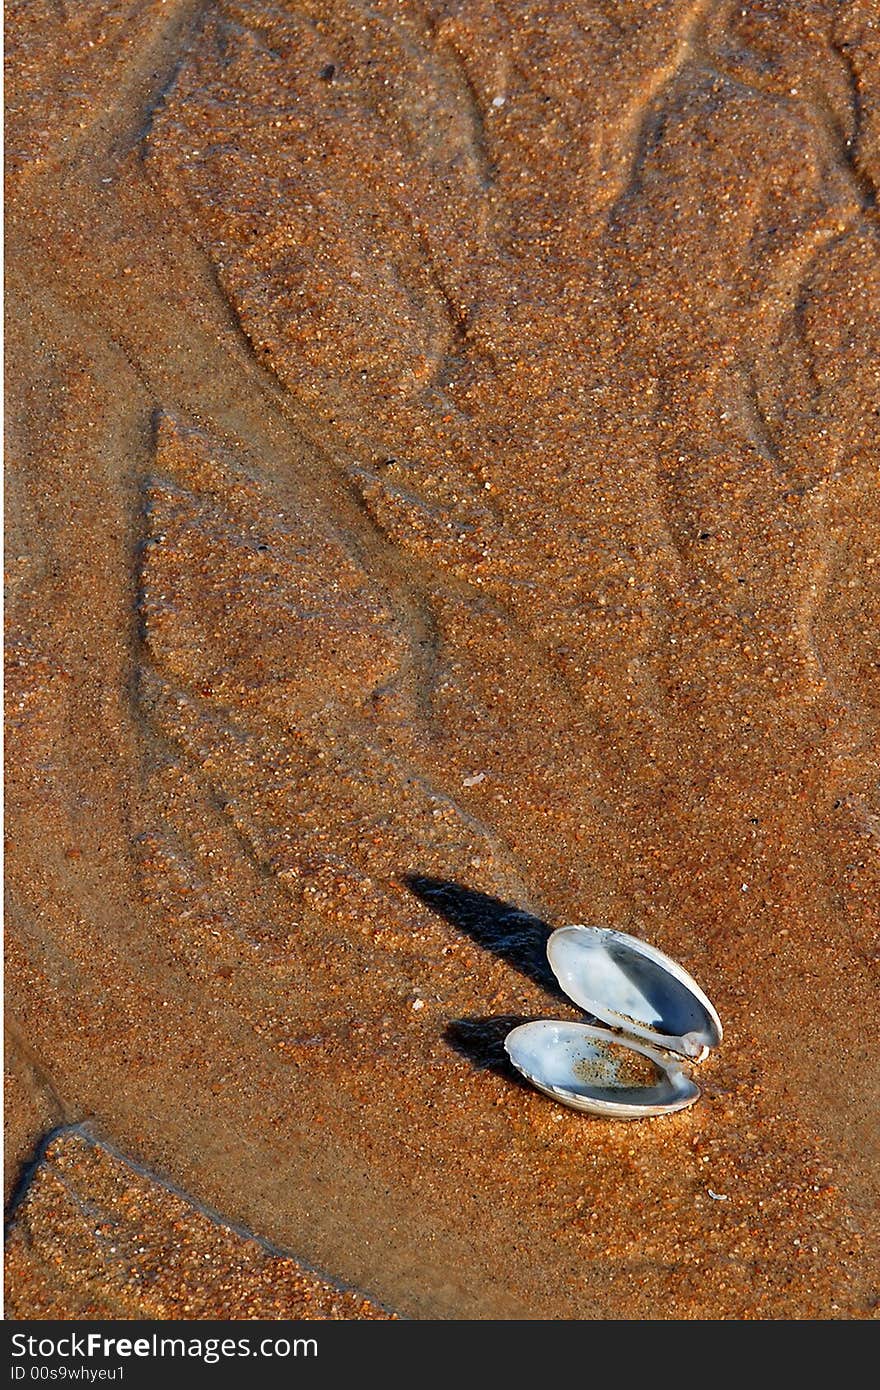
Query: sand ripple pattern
(486, 536)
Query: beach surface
(442, 504)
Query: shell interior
(592, 1069)
(634, 987)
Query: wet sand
(442, 504)
(95, 1237)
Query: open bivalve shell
(594, 1069)
(644, 995)
(632, 986)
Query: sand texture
(442, 504)
(95, 1237)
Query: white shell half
(593, 1069)
(634, 987)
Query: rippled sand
(443, 504)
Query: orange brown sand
(93, 1238)
(443, 504)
